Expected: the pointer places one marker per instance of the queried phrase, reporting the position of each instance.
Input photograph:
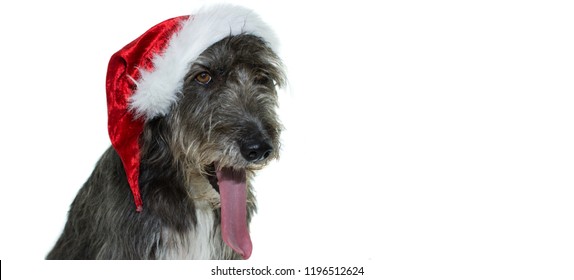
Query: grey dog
(223, 127)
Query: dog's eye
(262, 80)
(203, 78)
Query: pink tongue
(233, 192)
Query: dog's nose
(254, 150)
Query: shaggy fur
(212, 124)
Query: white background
(424, 139)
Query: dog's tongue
(233, 192)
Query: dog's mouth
(212, 176)
(231, 184)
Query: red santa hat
(145, 77)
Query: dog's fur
(207, 127)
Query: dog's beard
(227, 172)
(228, 176)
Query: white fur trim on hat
(159, 88)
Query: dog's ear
(276, 70)
(280, 77)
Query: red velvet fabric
(123, 126)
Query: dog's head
(226, 115)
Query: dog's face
(226, 114)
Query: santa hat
(146, 76)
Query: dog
(196, 161)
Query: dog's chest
(202, 242)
